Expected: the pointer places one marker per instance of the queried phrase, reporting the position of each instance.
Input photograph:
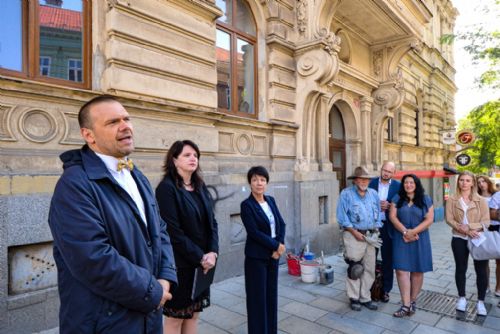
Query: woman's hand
(463, 229)
(474, 234)
(275, 255)
(410, 236)
(208, 261)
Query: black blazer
(183, 218)
(259, 243)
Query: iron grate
(445, 305)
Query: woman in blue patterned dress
(411, 213)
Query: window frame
(234, 34)
(48, 66)
(31, 47)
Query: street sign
(465, 137)
(463, 159)
(448, 137)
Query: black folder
(201, 281)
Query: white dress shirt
(383, 192)
(126, 181)
(270, 216)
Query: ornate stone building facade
(309, 89)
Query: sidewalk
(317, 309)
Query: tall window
(417, 128)
(41, 39)
(389, 133)
(236, 59)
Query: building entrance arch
(337, 145)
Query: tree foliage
(484, 121)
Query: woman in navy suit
(264, 246)
(186, 206)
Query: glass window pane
(337, 159)
(61, 37)
(245, 76)
(244, 18)
(227, 8)
(11, 35)
(223, 53)
(336, 124)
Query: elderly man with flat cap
(358, 214)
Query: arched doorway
(336, 144)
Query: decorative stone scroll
(5, 133)
(302, 16)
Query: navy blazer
(259, 243)
(183, 218)
(108, 260)
(393, 190)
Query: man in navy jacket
(113, 254)
(386, 188)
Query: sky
(471, 15)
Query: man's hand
(166, 292)
(357, 235)
(384, 205)
(281, 249)
(208, 261)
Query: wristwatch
(405, 232)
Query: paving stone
(232, 287)
(400, 325)
(331, 305)
(305, 311)
(492, 322)
(225, 299)
(348, 325)
(222, 318)
(295, 294)
(425, 329)
(296, 325)
(206, 328)
(462, 327)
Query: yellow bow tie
(125, 164)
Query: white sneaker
(481, 310)
(462, 304)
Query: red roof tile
(60, 18)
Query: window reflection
(223, 70)
(227, 8)
(244, 18)
(61, 36)
(11, 35)
(245, 76)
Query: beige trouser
(360, 250)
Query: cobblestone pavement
(314, 308)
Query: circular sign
(463, 159)
(465, 137)
(449, 137)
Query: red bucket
(293, 262)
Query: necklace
(186, 184)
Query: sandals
(413, 307)
(403, 311)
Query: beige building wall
(370, 61)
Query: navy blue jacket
(108, 261)
(259, 244)
(183, 218)
(393, 190)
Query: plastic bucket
(308, 256)
(293, 263)
(309, 271)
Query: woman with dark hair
(486, 189)
(467, 213)
(411, 213)
(186, 206)
(264, 245)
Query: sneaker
(481, 310)
(355, 305)
(461, 304)
(370, 305)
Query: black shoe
(385, 297)
(355, 305)
(370, 305)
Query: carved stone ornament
(302, 15)
(377, 62)
(307, 65)
(331, 40)
(244, 144)
(37, 126)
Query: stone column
(366, 144)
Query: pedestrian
(113, 254)
(264, 245)
(386, 188)
(486, 189)
(467, 213)
(494, 206)
(358, 214)
(186, 206)
(411, 214)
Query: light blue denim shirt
(362, 213)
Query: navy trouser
(386, 252)
(261, 286)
